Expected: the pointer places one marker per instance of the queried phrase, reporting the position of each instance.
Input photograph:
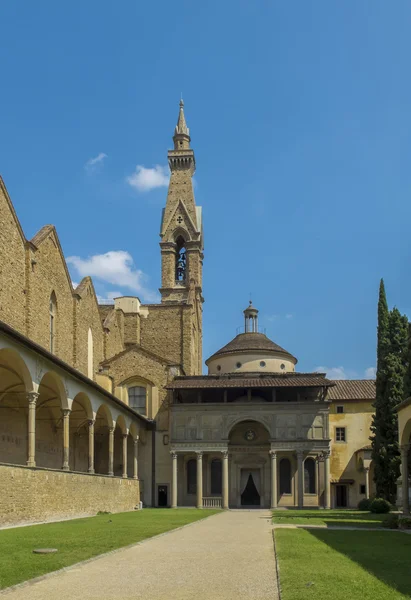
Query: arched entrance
(249, 447)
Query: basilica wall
(12, 265)
(88, 331)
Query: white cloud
(92, 162)
(74, 284)
(272, 318)
(289, 316)
(144, 180)
(117, 268)
(332, 372)
(370, 373)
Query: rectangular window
(362, 488)
(340, 410)
(340, 434)
(137, 399)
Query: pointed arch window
(137, 398)
(53, 320)
(181, 260)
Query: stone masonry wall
(32, 495)
(12, 267)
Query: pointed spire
(181, 127)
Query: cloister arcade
(404, 429)
(49, 419)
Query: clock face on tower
(250, 435)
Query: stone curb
(337, 528)
(30, 582)
(277, 566)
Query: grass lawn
(340, 518)
(80, 539)
(359, 565)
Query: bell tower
(181, 227)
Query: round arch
(15, 383)
(13, 368)
(406, 433)
(246, 419)
(81, 414)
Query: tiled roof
(250, 380)
(352, 389)
(246, 342)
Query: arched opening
(90, 355)
(181, 260)
(81, 414)
(119, 431)
(191, 468)
(53, 322)
(104, 421)
(49, 422)
(15, 383)
(309, 476)
(285, 476)
(216, 477)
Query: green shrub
(364, 504)
(391, 522)
(380, 505)
(404, 522)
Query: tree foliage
(392, 357)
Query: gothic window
(53, 318)
(137, 396)
(181, 260)
(285, 476)
(216, 476)
(191, 476)
(90, 359)
(309, 476)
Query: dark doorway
(162, 495)
(341, 496)
(250, 495)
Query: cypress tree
(392, 348)
(407, 378)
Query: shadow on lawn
(340, 519)
(384, 555)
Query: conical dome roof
(249, 343)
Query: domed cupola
(251, 351)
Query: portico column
(91, 445)
(66, 439)
(199, 480)
(135, 462)
(404, 477)
(300, 474)
(111, 451)
(31, 429)
(125, 436)
(367, 482)
(273, 455)
(327, 486)
(225, 479)
(174, 457)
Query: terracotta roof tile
(250, 380)
(245, 342)
(352, 389)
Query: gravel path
(228, 556)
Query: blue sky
(300, 120)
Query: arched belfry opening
(181, 260)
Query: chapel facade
(105, 407)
